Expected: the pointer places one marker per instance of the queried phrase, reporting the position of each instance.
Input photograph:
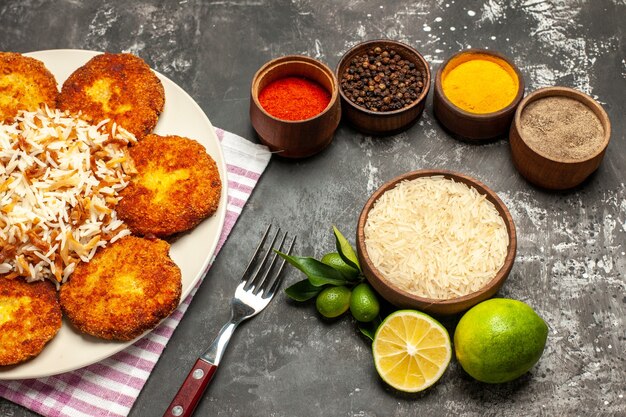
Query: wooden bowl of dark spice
(558, 137)
(383, 86)
(294, 106)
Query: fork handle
(189, 394)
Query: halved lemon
(411, 350)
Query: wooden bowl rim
(559, 91)
(481, 116)
(496, 281)
(418, 100)
(286, 60)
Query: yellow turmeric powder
(479, 83)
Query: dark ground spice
(381, 80)
(562, 128)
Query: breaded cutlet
(25, 84)
(119, 87)
(126, 289)
(30, 316)
(177, 185)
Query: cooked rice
(59, 182)
(436, 238)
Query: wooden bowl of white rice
(437, 241)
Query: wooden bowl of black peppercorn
(383, 86)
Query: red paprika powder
(294, 98)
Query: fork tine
(259, 284)
(252, 281)
(278, 277)
(256, 253)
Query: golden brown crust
(126, 289)
(119, 87)
(30, 316)
(177, 186)
(25, 84)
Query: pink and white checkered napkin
(110, 387)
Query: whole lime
(364, 304)
(332, 302)
(334, 259)
(499, 340)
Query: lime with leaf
(336, 281)
(335, 269)
(334, 259)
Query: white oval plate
(192, 252)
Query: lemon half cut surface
(411, 350)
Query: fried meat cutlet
(30, 316)
(176, 187)
(126, 289)
(25, 84)
(119, 87)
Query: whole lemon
(332, 302)
(499, 340)
(334, 259)
(364, 304)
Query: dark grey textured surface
(571, 258)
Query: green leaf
(318, 273)
(302, 290)
(369, 329)
(320, 281)
(345, 250)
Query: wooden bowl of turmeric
(476, 94)
(294, 106)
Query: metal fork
(253, 294)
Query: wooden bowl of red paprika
(294, 106)
(383, 86)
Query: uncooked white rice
(59, 181)
(436, 238)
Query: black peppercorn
(382, 80)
